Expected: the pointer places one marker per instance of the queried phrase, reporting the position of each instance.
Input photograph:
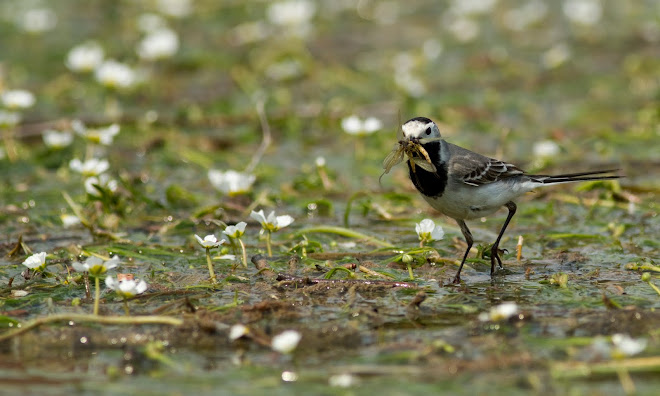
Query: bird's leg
(494, 254)
(468, 239)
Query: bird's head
(420, 128)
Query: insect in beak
(413, 149)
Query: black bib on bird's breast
(428, 183)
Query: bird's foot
(495, 256)
(457, 280)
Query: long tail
(575, 177)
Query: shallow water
(586, 247)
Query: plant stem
(132, 320)
(410, 272)
(126, 310)
(654, 287)
(210, 264)
(270, 252)
(10, 145)
(244, 253)
(344, 232)
(97, 295)
(89, 151)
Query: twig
(313, 281)
(130, 320)
(265, 142)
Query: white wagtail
(465, 185)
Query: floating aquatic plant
(96, 267)
(428, 231)
(126, 288)
(236, 232)
(36, 262)
(270, 224)
(286, 342)
(209, 242)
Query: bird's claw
(495, 256)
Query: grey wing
(475, 169)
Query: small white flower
(57, 139)
(464, 29)
(372, 124)
(175, 8)
(432, 48)
(113, 74)
(69, 220)
(103, 136)
(428, 231)
(230, 257)
(9, 118)
(286, 342)
(546, 148)
(158, 44)
(209, 241)
(272, 222)
(235, 231)
(237, 331)
(320, 162)
(36, 261)
(231, 182)
(126, 288)
(38, 20)
(149, 22)
(556, 56)
(343, 380)
(291, 13)
(411, 84)
(85, 57)
(96, 266)
(104, 181)
(628, 346)
(500, 312)
(584, 12)
(89, 168)
(353, 125)
(16, 99)
(520, 18)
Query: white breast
(465, 202)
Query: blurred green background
(501, 77)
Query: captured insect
(413, 149)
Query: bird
(465, 185)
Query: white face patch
(416, 129)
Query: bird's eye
(428, 131)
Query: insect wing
(424, 164)
(394, 157)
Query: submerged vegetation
(134, 133)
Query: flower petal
(283, 221)
(259, 216)
(286, 342)
(111, 283)
(141, 287)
